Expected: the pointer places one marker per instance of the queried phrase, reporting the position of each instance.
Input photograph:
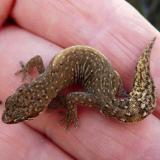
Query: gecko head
(19, 106)
(13, 113)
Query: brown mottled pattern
(103, 87)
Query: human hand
(46, 26)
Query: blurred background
(150, 9)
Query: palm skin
(113, 27)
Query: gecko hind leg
(36, 62)
(65, 102)
(74, 98)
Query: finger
(74, 22)
(19, 52)
(96, 138)
(21, 142)
(115, 28)
(5, 7)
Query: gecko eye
(8, 100)
(20, 89)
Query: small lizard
(103, 88)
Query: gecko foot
(26, 69)
(71, 117)
(24, 72)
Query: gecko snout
(11, 113)
(11, 118)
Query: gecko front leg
(36, 62)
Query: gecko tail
(142, 97)
(141, 100)
(149, 47)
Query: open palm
(44, 27)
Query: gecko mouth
(9, 120)
(6, 119)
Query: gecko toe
(24, 72)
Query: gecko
(103, 87)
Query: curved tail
(141, 100)
(142, 96)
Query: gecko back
(102, 87)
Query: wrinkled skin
(114, 28)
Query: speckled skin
(103, 87)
